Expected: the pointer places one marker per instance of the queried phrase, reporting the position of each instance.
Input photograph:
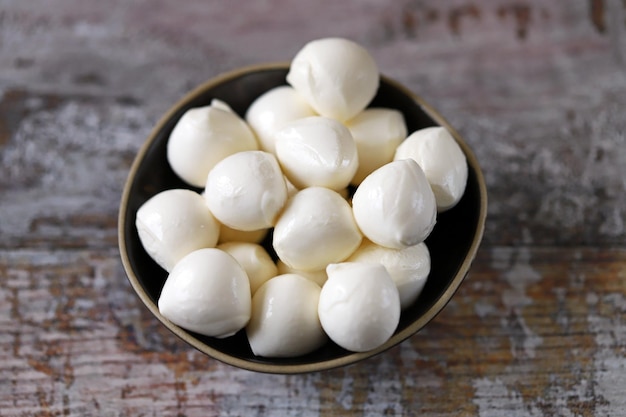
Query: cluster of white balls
(347, 263)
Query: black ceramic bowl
(452, 244)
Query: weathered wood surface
(537, 88)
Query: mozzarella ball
(228, 234)
(272, 110)
(316, 228)
(284, 320)
(246, 190)
(394, 206)
(204, 136)
(338, 77)
(222, 105)
(207, 292)
(377, 133)
(408, 267)
(319, 277)
(317, 151)
(442, 160)
(254, 259)
(359, 305)
(174, 223)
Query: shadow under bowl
(452, 244)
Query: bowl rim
(352, 357)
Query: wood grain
(538, 90)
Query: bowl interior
(452, 244)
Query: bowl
(453, 243)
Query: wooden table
(537, 88)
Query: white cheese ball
(254, 259)
(409, 267)
(338, 77)
(394, 206)
(219, 104)
(207, 292)
(246, 190)
(377, 133)
(173, 223)
(204, 136)
(319, 277)
(284, 320)
(228, 234)
(317, 151)
(316, 228)
(272, 110)
(442, 160)
(359, 305)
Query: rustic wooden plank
(542, 111)
(75, 338)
